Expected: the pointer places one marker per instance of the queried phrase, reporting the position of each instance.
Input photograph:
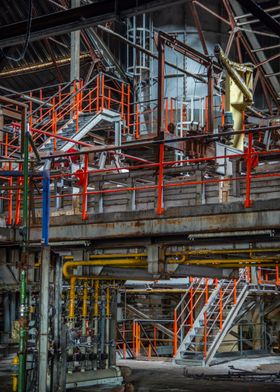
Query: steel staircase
(212, 324)
(86, 123)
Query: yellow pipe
(222, 261)
(111, 256)
(15, 363)
(92, 263)
(72, 298)
(221, 251)
(117, 255)
(96, 296)
(107, 302)
(85, 300)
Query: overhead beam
(73, 19)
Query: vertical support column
(210, 127)
(248, 201)
(75, 48)
(160, 98)
(160, 101)
(44, 289)
(57, 363)
(44, 318)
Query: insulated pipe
(85, 299)
(92, 263)
(72, 298)
(85, 307)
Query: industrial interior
(139, 195)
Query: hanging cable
(29, 21)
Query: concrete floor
(150, 376)
(163, 376)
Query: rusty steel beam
(198, 27)
(161, 57)
(190, 52)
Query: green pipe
(22, 333)
(23, 319)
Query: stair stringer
(106, 115)
(197, 324)
(228, 323)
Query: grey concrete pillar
(57, 368)
(44, 318)
(75, 49)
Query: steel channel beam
(62, 22)
(203, 219)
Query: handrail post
(133, 338)
(90, 101)
(277, 274)
(205, 336)
(128, 107)
(10, 199)
(137, 122)
(81, 86)
(221, 308)
(18, 197)
(175, 330)
(102, 92)
(54, 124)
(122, 102)
(124, 344)
(234, 291)
(206, 291)
(85, 185)
(109, 99)
(248, 201)
(191, 307)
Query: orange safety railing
(184, 313)
(215, 316)
(269, 275)
(161, 184)
(141, 338)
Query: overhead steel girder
(268, 20)
(76, 18)
(188, 51)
